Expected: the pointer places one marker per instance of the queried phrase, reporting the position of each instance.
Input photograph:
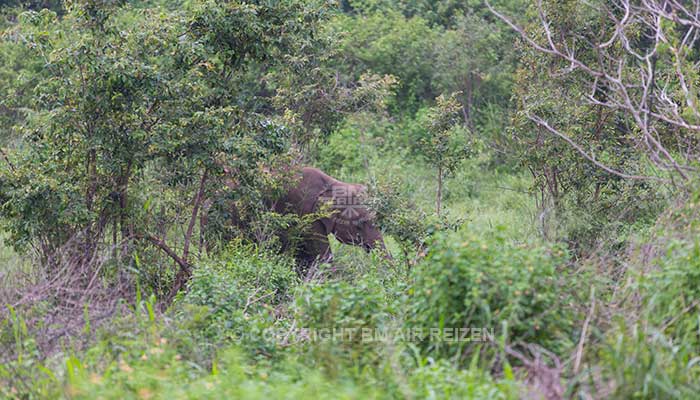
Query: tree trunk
(195, 211)
(469, 100)
(124, 223)
(439, 190)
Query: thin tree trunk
(195, 211)
(203, 220)
(469, 97)
(90, 241)
(124, 223)
(439, 190)
(92, 179)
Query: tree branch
(539, 121)
(633, 87)
(182, 262)
(7, 160)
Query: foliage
(103, 114)
(445, 145)
(440, 380)
(388, 43)
(232, 299)
(137, 134)
(470, 282)
(584, 199)
(650, 348)
(340, 313)
(434, 48)
(401, 218)
(147, 363)
(230, 378)
(643, 363)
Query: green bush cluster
(654, 351)
(159, 373)
(233, 298)
(344, 309)
(441, 380)
(467, 281)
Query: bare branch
(539, 121)
(632, 85)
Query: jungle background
(532, 164)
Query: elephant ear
(324, 201)
(346, 200)
(357, 193)
(349, 201)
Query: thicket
(531, 165)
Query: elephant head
(351, 222)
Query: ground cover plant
(531, 165)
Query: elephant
(350, 221)
(340, 205)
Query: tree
(433, 48)
(590, 120)
(131, 120)
(475, 59)
(386, 43)
(128, 123)
(445, 145)
(640, 61)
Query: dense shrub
(233, 298)
(472, 282)
(641, 362)
(653, 352)
(401, 218)
(440, 380)
(347, 150)
(347, 308)
(652, 348)
(160, 373)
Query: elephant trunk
(378, 243)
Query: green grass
(12, 264)
(189, 352)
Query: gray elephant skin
(347, 218)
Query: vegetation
(532, 166)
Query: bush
(22, 371)
(160, 373)
(653, 349)
(343, 152)
(351, 307)
(233, 298)
(440, 380)
(641, 362)
(364, 140)
(471, 282)
(399, 217)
